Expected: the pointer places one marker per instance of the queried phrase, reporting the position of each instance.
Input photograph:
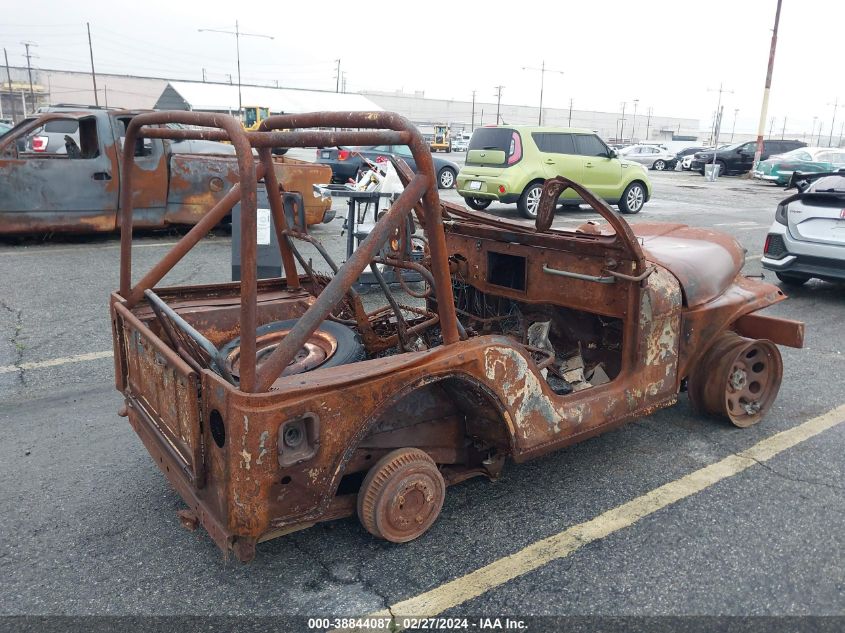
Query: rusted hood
(704, 261)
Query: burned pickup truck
(273, 405)
(60, 171)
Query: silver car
(652, 156)
(807, 238)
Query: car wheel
(723, 168)
(659, 165)
(633, 198)
(446, 178)
(479, 204)
(529, 201)
(401, 496)
(792, 279)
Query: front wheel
(529, 201)
(659, 165)
(446, 178)
(479, 204)
(633, 198)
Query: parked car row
(739, 157)
(347, 161)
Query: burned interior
(273, 404)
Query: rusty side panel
(197, 183)
(301, 176)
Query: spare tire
(331, 345)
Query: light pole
(237, 33)
(634, 123)
(717, 123)
(622, 125)
(498, 101)
(543, 70)
(733, 129)
(835, 105)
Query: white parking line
(476, 583)
(55, 362)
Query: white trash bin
(711, 171)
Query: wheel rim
(532, 200)
(447, 179)
(742, 377)
(660, 165)
(634, 199)
(319, 348)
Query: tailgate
(166, 390)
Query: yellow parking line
(560, 545)
(55, 362)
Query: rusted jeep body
(56, 191)
(524, 339)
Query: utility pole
(543, 70)
(622, 126)
(29, 70)
(819, 139)
(343, 81)
(93, 74)
(106, 94)
(203, 75)
(648, 122)
(570, 112)
(813, 129)
(832, 121)
(9, 78)
(717, 120)
(841, 130)
(237, 33)
(764, 109)
(472, 125)
(783, 129)
(771, 125)
(733, 129)
(634, 122)
(337, 76)
(498, 102)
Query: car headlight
(780, 214)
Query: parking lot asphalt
(90, 524)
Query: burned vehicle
(271, 405)
(61, 172)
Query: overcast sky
(671, 55)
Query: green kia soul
(510, 163)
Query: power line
(237, 33)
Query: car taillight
(501, 189)
(768, 243)
(343, 154)
(39, 143)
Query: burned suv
(272, 405)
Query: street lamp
(634, 123)
(733, 129)
(237, 33)
(543, 70)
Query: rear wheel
(479, 204)
(529, 201)
(792, 279)
(446, 178)
(723, 168)
(401, 496)
(633, 198)
(659, 165)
